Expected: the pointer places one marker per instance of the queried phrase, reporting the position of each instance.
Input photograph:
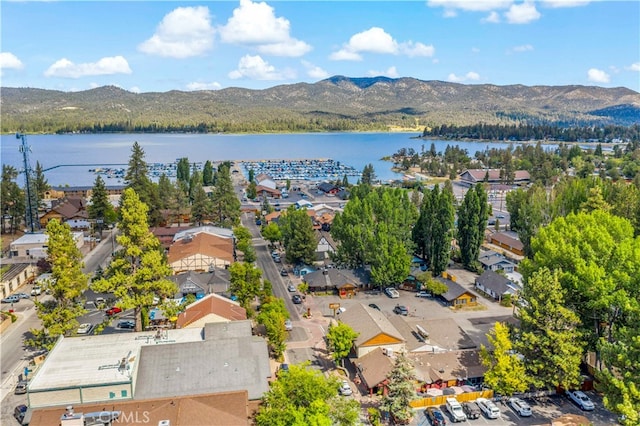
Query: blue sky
(145, 46)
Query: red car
(114, 310)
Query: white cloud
(522, 13)
(105, 66)
(564, 3)
(598, 76)
(470, 5)
(391, 72)
(470, 76)
(256, 24)
(377, 40)
(315, 71)
(412, 49)
(196, 85)
(10, 61)
(475, 50)
(256, 68)
(291, 47)
(634, 67)
(183, 33)
(492, 18)
(373, 40)
(345, 55)
(520, 49)
(135, 89)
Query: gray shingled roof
(369, 323)
(335, 278)
(493, 281)
(455, 290)
(227, 360)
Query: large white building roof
(101, 359)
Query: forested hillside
(335, 104)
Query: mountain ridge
(364, 101)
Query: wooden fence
(441, 400)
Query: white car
(84, 328)
(424, 293)
(391, 292)
(488, 408)
(581, 400)
(345, 389)
(520, 407)
(288, 325)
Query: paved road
(15, 356)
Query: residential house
(493, 261)
(200, 252)
(208, 229)
(71, 210)
(209, 309)
(345, 282)
(324, 245)
(508, 241)
(215, 409)
(470, 177)
(456, 295)
(495, 285)
(374, 330)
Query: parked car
(112, 311)
(277, 259)
(291, 288)
(345, 389)
(296, 299)
(19, 412)
(21, 387)
(401, 310)
(288, 325)
(99, 301)
(471, 410)
(284, 273)
(22, 295)
(36, 290)
(374, 306)
(424, 294)
(11, 299)
(128, 324)
(581, 400)
(520, 407)
(455, 410)
(84, 328)
(435, 416)
(488, 408)
(391, 292)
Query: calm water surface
(73, 153)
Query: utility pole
(31, 216)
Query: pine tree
(298, 235)
(468, 238)
(140, 273)
(100, 208)
(226, 206)
(67, 285)
(401, 390)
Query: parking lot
(544, 411)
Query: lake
(68, 158)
